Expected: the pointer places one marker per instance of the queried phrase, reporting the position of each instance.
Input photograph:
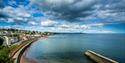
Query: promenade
(17, 53)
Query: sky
(67, 16)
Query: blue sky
(85, 16)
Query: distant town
(10, 37)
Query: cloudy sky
(86, 16)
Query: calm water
(70, 48)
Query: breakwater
(98, 58)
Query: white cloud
(96, 25)
(23, 14)
(48, 23)
(79, 26)
(75, 27)
(98, 31)
(85, 26)
(88, 26)
(2, 19)
(106, 13)
(19, 18)
(10, 20)
(54, 9)
(83, 10)
(16, 13)
(64, 26)
(32, 23)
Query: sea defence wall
(23, 49)
(98, 58)
(17, 53)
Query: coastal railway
(16, 53)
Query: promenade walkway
(16, 54)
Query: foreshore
(17, 54)
(24, 59)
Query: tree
(4, 55)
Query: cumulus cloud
(17, 15)
(48, 23)
(64, 15)
(83, 10)
(16, 12)
(68, 10)
(113, 10)
(32, 23)
(10, 20)
(98, 31)
(79, 27)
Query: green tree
(4, 55)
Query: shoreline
(22, 50)
(24, 59)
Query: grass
(4, 55)
(5, 52)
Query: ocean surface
(70, 48)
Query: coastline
(24, 59)
(17, 56)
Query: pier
(98, 58)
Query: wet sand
(26, 60)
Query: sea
(71, 47)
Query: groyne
(98, 58)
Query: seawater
(70, 48)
